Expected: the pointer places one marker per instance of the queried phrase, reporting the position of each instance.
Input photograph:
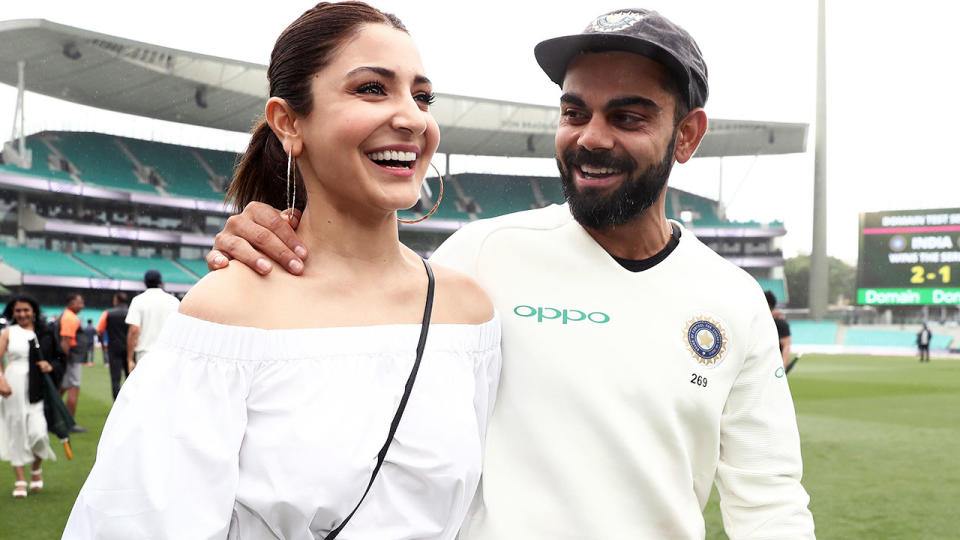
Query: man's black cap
(151, 278)
(639, 31)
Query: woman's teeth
(393, 159)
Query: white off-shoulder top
(242, 433)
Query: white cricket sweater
(625, 395)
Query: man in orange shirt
(69, 332)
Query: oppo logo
(564, 315)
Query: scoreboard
(909, 257)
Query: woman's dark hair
(303, 49)
(8, 311)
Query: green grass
(880, 439)
(880, 443)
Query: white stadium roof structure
(151, 81)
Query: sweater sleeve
(758, 475)
(167, 463)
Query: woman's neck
(343, 238)
(28, 326)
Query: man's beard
(638, 192)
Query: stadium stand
(891, 338)
(496, 195)
(813, 333)
(198, 267)
(41, 163)
(182, 174)
(99, 160)
(775, 286)
(133, 268)
(44, 262)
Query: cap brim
(555, 54)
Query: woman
(23, 428)
(264, 409)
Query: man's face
(76, 305)
(616, 137)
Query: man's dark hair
(120, 297)
(681, 109)
(72, 296)
(771, 299)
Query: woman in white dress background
(262, 410)
(23, 428)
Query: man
(783, 332)
(923, 343)
(146, 315)
(113, 326)
(90, 335)
(638, 366)
(73, 343)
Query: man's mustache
(582, 156)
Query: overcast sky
(891, 78)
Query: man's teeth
(598, 171)
(392, 155)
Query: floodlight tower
(818, 254)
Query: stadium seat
(44, 262)
(133, 268)
(183, 174)
(100, 161)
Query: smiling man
(639, 367)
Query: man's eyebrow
(572, 99)
(386, 73)
(627, 101)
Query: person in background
(72, 341)
(783, 332)
(90, 338)
(23, 427)
(924, 336)
(113, 329)
(146, 315)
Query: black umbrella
(59, 420)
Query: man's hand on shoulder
(255, 237)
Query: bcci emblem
(614, 22)
(706, 339)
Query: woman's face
(23, 313)
(370, 136)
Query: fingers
(216, 260)
(260, 233)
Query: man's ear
(689, 134)
(285, 125)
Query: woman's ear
(285, 125)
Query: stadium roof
(151, 81)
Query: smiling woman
(297, 407)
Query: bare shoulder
(459, 299)
(226, 296)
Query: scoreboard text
(909, 257)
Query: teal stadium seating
(891, 338)
(813, 333)
(40, 163)
(775, 286)
(177, 165)
(100, 161)
(497, 194)
(133, 268)
(44, 262)
(198, 267)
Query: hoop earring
(435, 206)
(291, 200)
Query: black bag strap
(424, 326)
